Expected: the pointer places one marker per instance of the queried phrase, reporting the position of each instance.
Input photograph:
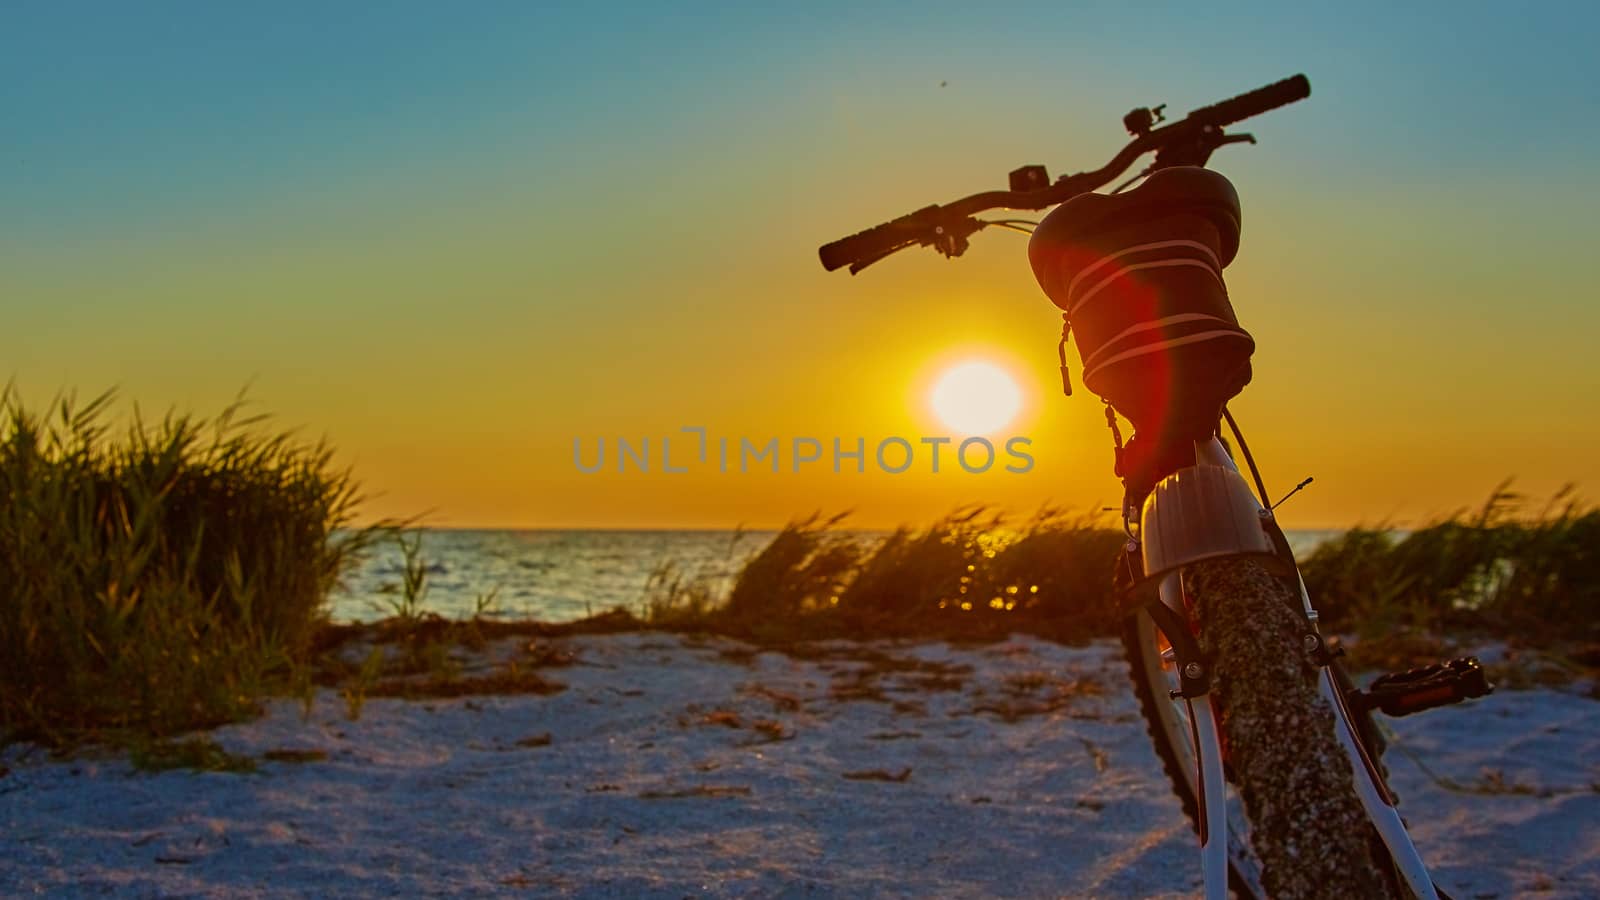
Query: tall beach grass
(972, 574)
(157, 576)
(1497, 571)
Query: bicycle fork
(1375, 795)
(1211, 789)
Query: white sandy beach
(675, 766)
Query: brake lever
(1197, 150)
(860, 264)
(950, 238)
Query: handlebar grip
(876, 241)
(1258, 101)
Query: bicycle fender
(1199, 513)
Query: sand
(673, 766)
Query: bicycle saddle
(1067, 239)
(1139, 275)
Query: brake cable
(1141, 174)
(1012, 224)
(1061, 353)
(1266, 499)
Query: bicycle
(1221, 634)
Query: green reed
(971, 574)
(1496, 571)
(159, 576)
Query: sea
(561, 576)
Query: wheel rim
(1172, 720)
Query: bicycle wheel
(1291, 778)
(1167, 722)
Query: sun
(975, 397)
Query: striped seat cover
(1139, 276)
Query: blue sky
(475, 201)
(140, 108)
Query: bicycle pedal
(1426, 687)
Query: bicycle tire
(1258, 612)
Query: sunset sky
(454, 239)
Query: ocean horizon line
(752, 529)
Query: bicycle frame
(1375, 797)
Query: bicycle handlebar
(947, 227)
(1254, 103)
(877, 241)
